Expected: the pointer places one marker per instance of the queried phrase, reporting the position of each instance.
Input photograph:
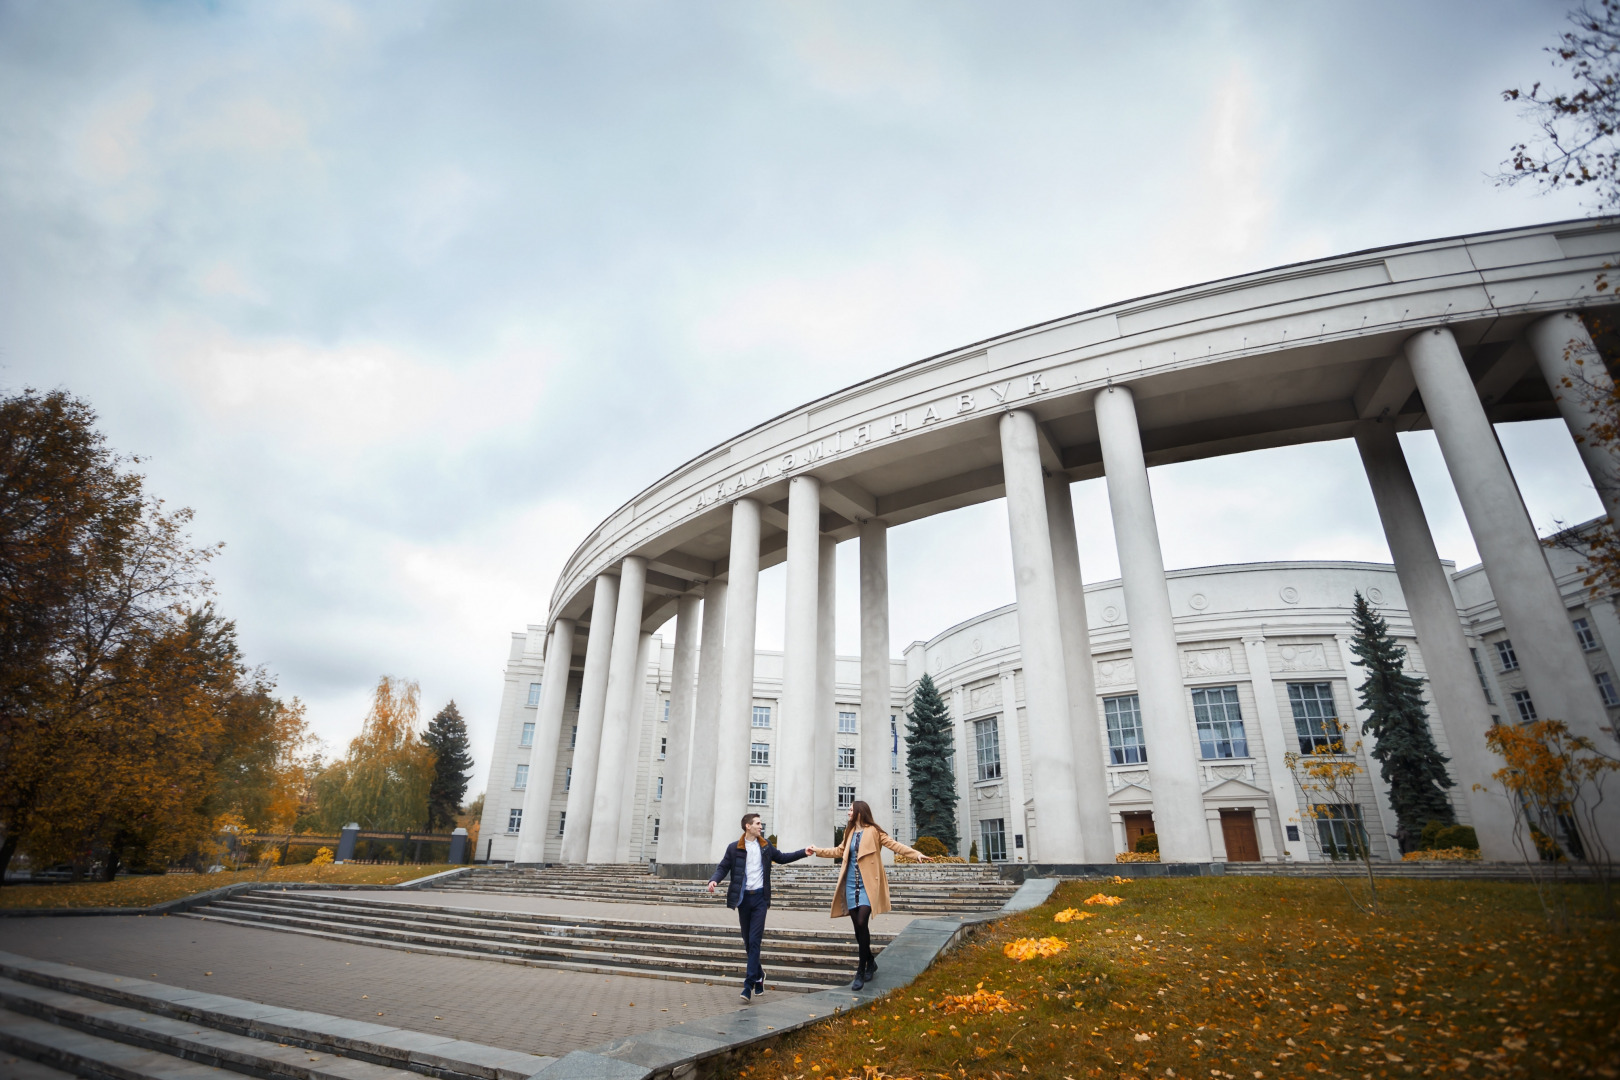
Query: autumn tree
(446, 737)
(383, 781)
(928, 765)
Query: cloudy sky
(404, 298)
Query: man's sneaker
(759, 987)
(747, 994)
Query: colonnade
(711, 705)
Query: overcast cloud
(403, 298)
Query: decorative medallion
(978, 646)
(1110, 613)
(1376, 595)
(1289, 594)
(1198, 601)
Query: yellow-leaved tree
(383, 780)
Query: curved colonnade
(1453, 335)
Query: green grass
(154, 889)
(1250, 977)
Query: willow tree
(382, 782)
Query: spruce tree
(928, 765)
(447, 738)
(1408, 760)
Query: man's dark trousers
(751, 917)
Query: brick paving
(538, 1010)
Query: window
(1584, 635)
(846, 797)
(658, 792)
(658, 823)
(762, 716)
(579, 698)
(1606, 688)
(562, 822)
(759, 753)
(1479, 669)
(573, 737)
(1220, 724)
(527, 738)
(987, 745)
(514, 819)
(993, 840)
(568, 779)
(1526, 707)
(1339, 830)
(534, 694)
(663, 747)
(1316, 721)
(846, 723)
(894, 800)
(894, 743)
(846, 757)
(759, 793)
(521, 780)
(666, 710)
(1125, 743)
(1505, 653)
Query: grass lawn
(1247, 977)
(156, 888)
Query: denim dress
(854, 891)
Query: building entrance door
(1237, 827)
(1137, 824)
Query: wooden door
(1137, 824)
(1237, 827)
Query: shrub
(1454, 854)
(771, 840)
(1137, 856)
(298, 855)
(931, 845)
(1456, 836)
(1426, 838)
(1147, 842)
(973, 852)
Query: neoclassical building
(1452, 335)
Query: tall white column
(736, 676)
(824, 752)
(1277, 738)
(531, 846)
(794, 800)
(1090, 771)
(876, 780)
(1178, 799)
(966, 770)
(1040, 634)
(592, 704)
(638, 755)
(1554, 668)
(1454, 687)
(678, 756)
(1012, 771)
(1564, 350)
(706, 726)
(619, 716)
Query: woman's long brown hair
(863, 817)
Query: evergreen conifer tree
(928, 765)
(1408, 760)
(447, 738)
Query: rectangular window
(1316, 720)
(762, 716)
(514, 819)
(987, 745)
(521, 780)
(759, 793)
(846, 797)
(894, 800)
(534, 694)
(894, 743)
(1479, 669)
(759, 753)
(573, 736)
(1125, 743)
(527, 738)
(658, 823)
(1526, 707)
(993, 840)
(663, 747)
(1220, 724)
(659, 791)
(1505, 653)
(1606, 688)
(846, 757)
(562, 822)
(568, 779)
(1339, 830)
(666, 710)
(846, 723)
(1584, 635)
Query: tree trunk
(8, 848)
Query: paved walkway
(539, 1010)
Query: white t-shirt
(755, 878)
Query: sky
(404, 298)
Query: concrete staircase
(798, 960)
(918, 889)
(58, 1021)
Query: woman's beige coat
(870, 860)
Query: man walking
(748, 862)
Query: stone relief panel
(1116, 672)
(1119, 779)
(985, 695)
(1307, 657)
(1201, 662)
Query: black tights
(862, 917)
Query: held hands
(810, 849)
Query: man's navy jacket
(735, 863)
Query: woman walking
(863, 888)
(748, 862)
